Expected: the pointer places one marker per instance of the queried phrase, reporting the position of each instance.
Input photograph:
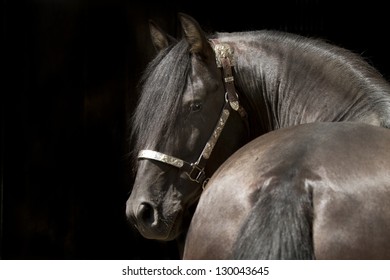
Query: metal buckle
(205, 183)
(197, 174)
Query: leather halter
(195, 171)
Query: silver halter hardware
(195, 171)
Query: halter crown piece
(222, 51)
(195, 171)
(224, 56)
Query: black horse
(232, 87)
(312, 191)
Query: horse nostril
(145, 214)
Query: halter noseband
(195, 171)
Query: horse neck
(286, 82)
(258, 76)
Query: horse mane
(329, 52)
(165, 89)
(279, 225)
(351, 72)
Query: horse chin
(180, 224)
(167, 230)
(176, 228)
(179, 221)
(174, 233)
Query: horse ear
(160, 39)
(195, 36)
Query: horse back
(311, 191)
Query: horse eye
(197, 106)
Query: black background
(69, 84)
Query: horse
(204, 96)
(311, 191)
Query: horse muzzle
(150, 222)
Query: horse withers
(206, 95)
(312, 191)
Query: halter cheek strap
(195, 171)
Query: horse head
(185, 125)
